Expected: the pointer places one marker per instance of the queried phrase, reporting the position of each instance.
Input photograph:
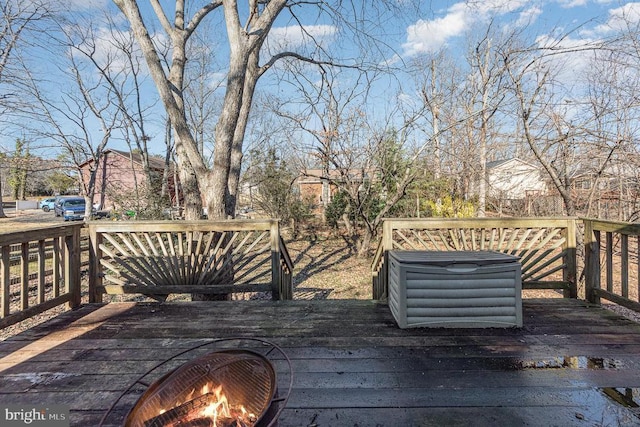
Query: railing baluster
(638, 266)
(56, 267)
(41, 271)
(166, 257)
(609, 261)
(5, 277)
(624, 265)
(570, 272)
(24, 276)
(592, 262)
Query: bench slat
(185, 289)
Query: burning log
(185, 411)
(200, 422)
(221, 423)
(190, 414)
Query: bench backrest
(158, 258)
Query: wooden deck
(352, 366)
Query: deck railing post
(95, 254)
(569, 273)
(592, 262)
(276, 273)
(72, 268)
(387, 242)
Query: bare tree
(16, 17)
(86, 99)
(212, 183)
(246, 33)
(434, 75)
(123, 73)
(330, 114)
(204, 82)
(366, 161)
(540, 107)
(485, 88)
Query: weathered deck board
(351, 364)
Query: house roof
(317, 175)
(154, 162)
(497, 163)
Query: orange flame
(217, 408)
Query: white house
(514, 179)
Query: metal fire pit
(247, 378)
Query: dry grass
(327, 268)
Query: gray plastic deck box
(457, 289)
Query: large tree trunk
(189, 184)
(218, 184)
(251, 79)
(217, 187)
(169, 88)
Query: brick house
(121, 179)
(316, 186)
(614, 190)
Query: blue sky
(579, 22)
(597, 18)
(436, 25)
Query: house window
(583, 184)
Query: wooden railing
(612, 260)
(546, 246)
(39, 270)
(158, 258)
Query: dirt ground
(328, 268)
(27, 219)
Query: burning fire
(209, 408)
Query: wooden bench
(158, 258)
(546, 246)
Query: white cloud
(296, 37)
(217, 80)
(619, 19)
(568, 4)
(629, 14)
(430, 35)
(78, 5)
(572, 57)
(86, 4)
(405, 98)
(528, 16)
(498, 7)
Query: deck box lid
(444, 258)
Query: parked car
(70, 208)
(47, 204)
(57, 208)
